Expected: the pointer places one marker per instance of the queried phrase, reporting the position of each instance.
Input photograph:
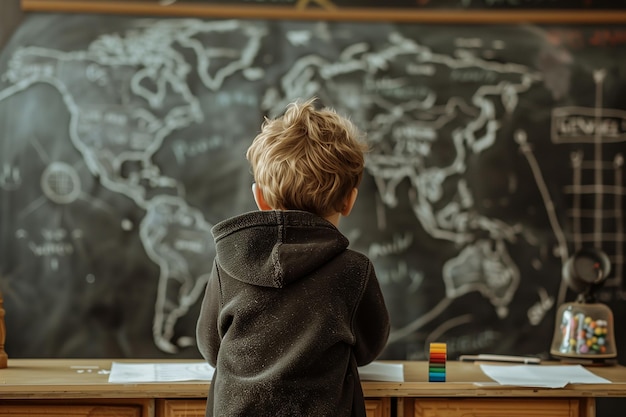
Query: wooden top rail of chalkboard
(333, 10)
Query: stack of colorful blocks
(437, 362)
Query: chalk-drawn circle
(60, 183)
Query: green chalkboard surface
(497, 150)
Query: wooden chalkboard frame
(214, 10)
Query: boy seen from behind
(289, 311)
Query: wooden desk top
(88, 378)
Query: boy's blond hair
(307, 159)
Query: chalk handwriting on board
(597, 212)
(487, 168)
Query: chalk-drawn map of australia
(123, 147)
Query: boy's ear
(259, 199)
(350, 200)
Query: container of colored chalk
(437, 362)
(584, 330)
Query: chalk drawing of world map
(125, 95)
(406, 123)
(429, 115)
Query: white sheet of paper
(124, 373)
(378, 371)
(546, 376)
(128, 373)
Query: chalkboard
(497, 150)
(10, 16)
(427, 11)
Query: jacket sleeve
(371, 322)
(207, 334)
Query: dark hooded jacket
(288, 315)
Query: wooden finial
(4, 359)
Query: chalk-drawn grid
(596, 192)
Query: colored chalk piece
(437, 362)
(441, 364)
(438, 355)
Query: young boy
(289, 311)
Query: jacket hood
(275, 248)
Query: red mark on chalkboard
(569, 38)
(608, 37)
(553, 38)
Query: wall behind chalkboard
(497, 150)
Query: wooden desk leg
(3, 333)
(399, 407)
(587, 407)
(405, 407)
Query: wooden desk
(460, 396)
(79, 387)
